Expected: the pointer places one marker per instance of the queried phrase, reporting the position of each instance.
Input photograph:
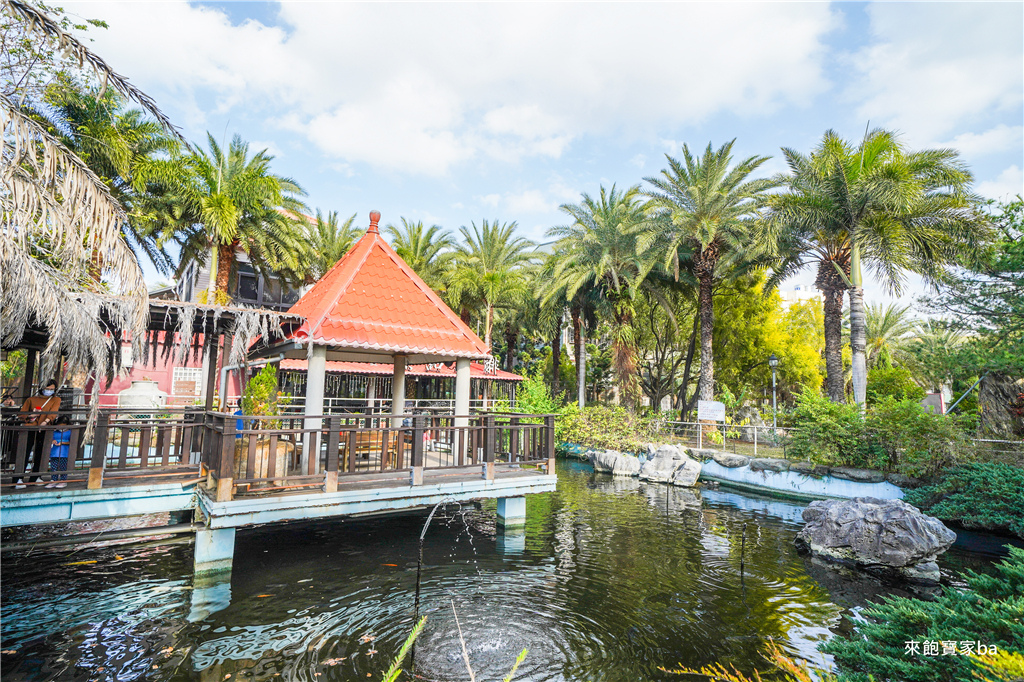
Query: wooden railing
(127, 443)
(274, 454)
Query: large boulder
(751, 415)
(670, 464)
(614, 463)
(889, 537)
(730, 460)
(769, 464)
(862, 475)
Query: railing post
(226, 465)
(513, 439)
(418, 422)
(549, 442)
(99, 451)
(333, 442)
(489, 434)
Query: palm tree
(230, 201)
(705, 212)
(329, 240)
(124, 148)
(489, 270)
(898, 211)
(888, 331)
(603, 250)
(428, 251)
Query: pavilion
(371, 307)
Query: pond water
(611, 579)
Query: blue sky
(451, 113)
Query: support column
(316, 370)
(398, 391)
(214, 551)
(511, 511)
(30, 372)
(211, 371)
(462, 390)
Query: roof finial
(374, 219)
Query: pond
(612, 579)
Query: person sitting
(60, 449)
(39, 410)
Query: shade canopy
(371, 306)
(439, 370)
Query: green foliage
(261, 398)
(534, 397)
(892, 382)
(914, 441)
(396, 665)
(986, 496)
(613, 428)
(829, 433)
(990, 611)
(13, 367)
(894, 435)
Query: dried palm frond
(48, 29)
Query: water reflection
(609, 579)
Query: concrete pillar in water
(398, 391)
(211, 592)
(511, 511)
(316, 371)
(214, 551)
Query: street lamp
(773, 362)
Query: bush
(613, 428)
(829, 433)
(914, 441)
(261, 398)
(990, 611)
(983, 496)
(892, 382)
(534, 397)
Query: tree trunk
(858, 337)
(834, 345)
(581, 359)
(226, 257)
(705, 304)
(511, 339)
(488, 325)
(465, 315)
(556, 362)
(686, 371)
(624, 355)
(211, 286)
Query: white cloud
(422, 88)
(1009, 184)
(530, 201)
(933, 66)
(995, 140)
(490, 200)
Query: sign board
(184, 388)
(710, 410)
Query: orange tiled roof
(372, 300)
(476, 369)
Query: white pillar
(462, 390)
(316, 371)
(371, 393)
(511, 511)
(398, 391)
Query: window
(187, 381)
(248, 287)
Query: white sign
(710, 410)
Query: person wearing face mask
(39, 410)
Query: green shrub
(829, 433)
(892, 382)
(914, 441)
(534, 397)
(990, 611)
(613, 428)
(260, 397)
(984, 496)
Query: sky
(457, 112)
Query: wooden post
(513, 439)
(489, 434)
(211, 371)
(226, 466)
(549, 441)
(333, 440)
(418, 422)
(99, 451)
(30, 372)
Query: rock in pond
(729, 460)
(670, 464)
(615, 463)
(889, 537)
(863, 475)
(769, 464)
(809, 468)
